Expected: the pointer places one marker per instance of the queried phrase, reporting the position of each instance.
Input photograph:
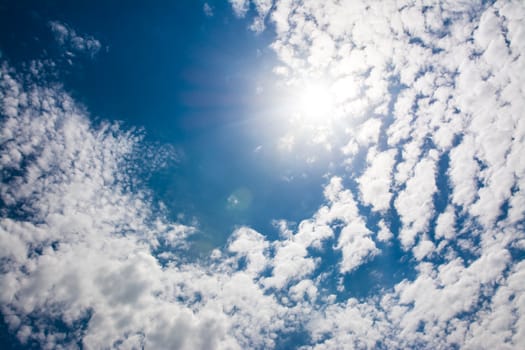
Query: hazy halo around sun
(307, 113)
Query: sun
(304, 113)
(313, 102)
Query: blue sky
(263, 174)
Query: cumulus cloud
(354, 239)
(78, 244)
(414, 204)
(240, 7)
(73, 42)
(425, 95)
(85, 241)
(376, 180)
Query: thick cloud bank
(432, 97)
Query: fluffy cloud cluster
(436, 114)
(431, 94)
(77, 243)
(73, 42)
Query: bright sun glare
(314, 102)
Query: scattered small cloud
(240, 7)
(208, 10)
(72, 42)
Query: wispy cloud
(208, 10)
(73, 42)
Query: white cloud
(208, 10)
(423, 249)
(354, 240)
(504, 313)
(376, 181)
(73, 42)
(240, 7)
(445, 224)
(354, 324)
(414, 203)
(304, 289)
(356, 246)
(463, 172)
(93, 235)
(262, 7)
(251, 244)
(95, 239)
(369, 132)
(384, 234)
(290, 263)
(452, 90)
